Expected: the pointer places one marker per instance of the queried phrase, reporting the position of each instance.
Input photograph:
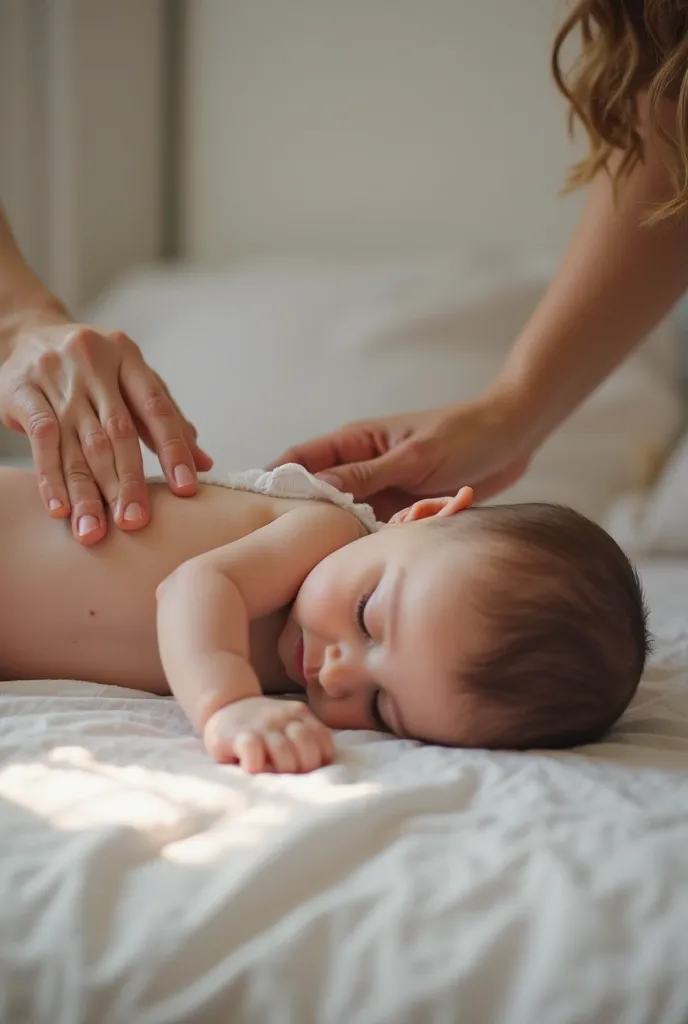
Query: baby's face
(379, 629)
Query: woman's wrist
(510, 409)
(24, 299)
(30, 313)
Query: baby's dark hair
(569, 628)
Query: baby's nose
(337, 672)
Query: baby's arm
(204, 610)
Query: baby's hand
(262, 734)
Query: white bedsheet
(139, 882)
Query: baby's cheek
(316, 586)
(313, 608)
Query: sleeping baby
(514, 627)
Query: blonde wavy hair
(630, 48)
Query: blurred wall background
(227, 129)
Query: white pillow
(655, 522)
(262, 357)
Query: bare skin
(615, 283)
(84, 395)
(78, 613)
(235, 597)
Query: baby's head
(514, 626)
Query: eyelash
(375, 701)
(360, 615)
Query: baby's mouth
(307, 676)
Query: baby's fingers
(281, 752)
(313, 744)
(250, 752)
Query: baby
(505, 626)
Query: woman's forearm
(22, 293)
(617, 281)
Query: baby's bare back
(75, 612)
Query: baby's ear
(428, 507)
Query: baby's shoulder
(321, 515)
(291, 486)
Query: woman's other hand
(392, 460)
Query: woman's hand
(393, 460)
(84, 396)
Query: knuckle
(77, 473)
(47, 362)
(120, 427)
(175, 444)
(359, 473)
(126, 347)
(51, 478)
(122, 340)
(81, 342)
(96, 443)
(416, 451)
(42, 427)
(16, 386)
(157, 404)
(298, 732)
(130, 479)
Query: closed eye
(360, 616)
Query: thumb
(362, 479)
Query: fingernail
(87, 524)
(183, 477)
(331, 478)
(54, 504)
(133, 511)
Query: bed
(333, 260)
(141, 882)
